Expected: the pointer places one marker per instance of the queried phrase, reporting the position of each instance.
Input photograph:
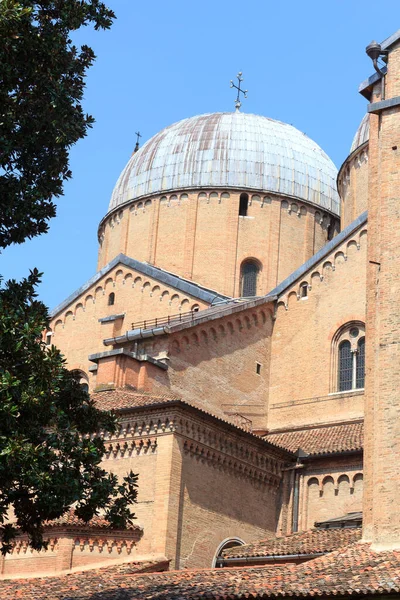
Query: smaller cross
(139, 135)
(238, 104)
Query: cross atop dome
(238, 104)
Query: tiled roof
(314, 541)
(321, 440)
(70, 519)
(117, 399)
(125, 398)
(129, 398)
(351, 519)
(355, 570)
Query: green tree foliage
(49, 451)
(41, 116)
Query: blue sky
(164, 61)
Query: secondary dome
(362, 134)
(230, 150)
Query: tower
(382, 406)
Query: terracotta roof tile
(355, 570)
(129, 398)
(305, 542)
(70, 519)
(125, 398)
(321, 440)
(116, 399)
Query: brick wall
(381, 511)
(186, 233)
(77, 331)
(302, 380)
(200, 482)
(329, 488)
(215, 364)
(353, 186)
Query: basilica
(243, 323)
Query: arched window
(111, 299)
(349, 357)
(243, 205)
(249, 275)
(225, 545)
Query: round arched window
(349, 357)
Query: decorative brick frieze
(318, 272)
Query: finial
(138, 134)
(238, 104)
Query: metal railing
(158, 322)
(189, 316)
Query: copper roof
(328, 439)
(314, 541)
(230, 150)
(355, 570)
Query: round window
(354, 331)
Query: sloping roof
(328, 439)
(123, 398)
(74, 586)
(352, 519)
(355, 570)
(313, 541)
(128, 399)
(230, 151)
(184, 285)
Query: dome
(230, 150)
(362, 134)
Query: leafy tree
(41, 116)
(49, 452)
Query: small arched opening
(249, 273)
(227, 543)
(111, 299)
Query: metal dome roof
(230, 150)
(362, 134)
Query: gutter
(201, 317)
(136, 334)
(268, 559)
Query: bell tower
(381, 515)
